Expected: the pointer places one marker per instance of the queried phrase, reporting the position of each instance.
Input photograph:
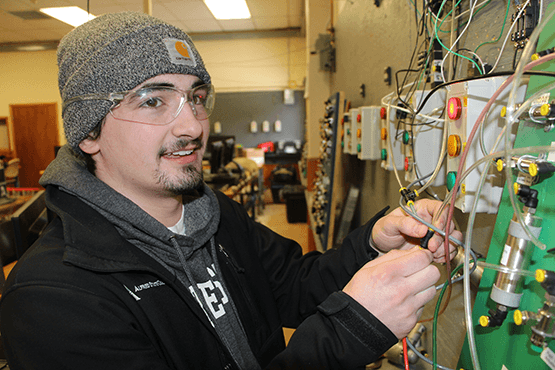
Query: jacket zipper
(239, 269)
(235, 265)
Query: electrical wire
(424, 358)
(450, 50)
(436, 315)
(502, 29)
(406, 354)
(509, 34)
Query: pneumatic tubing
(512, 117)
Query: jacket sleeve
(340, 335)
(301, 282)
(332, 329)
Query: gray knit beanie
(116, 52)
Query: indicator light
(384, 134)
(407, 163)
(454, 108)
(406, 137)
(359, 117)
(359, 148)
(384, 154)
(359, 133)
(383, 113)
(451, 178)
(503, 112)
(454, 145)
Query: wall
(261, 64)
(236, 110)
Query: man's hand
(398, 230)
(395, 287)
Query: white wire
(466, 11)
(509, 35)
(450, 50)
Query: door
(35, 130)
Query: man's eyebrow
(157, 84)
(169, 84)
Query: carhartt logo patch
(180, 52)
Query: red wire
(406, 354)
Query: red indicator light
(454, 108)
(383, 113)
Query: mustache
(180, 144)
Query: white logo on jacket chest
(213, 294)
(148, 285)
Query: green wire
(449, 50)
(447, 16)
(436, 314)
(463, 23)
(502, 28)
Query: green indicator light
(451, 177)
(384, 154)
(342, 144)
(359, 148)
(406, 137)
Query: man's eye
(151, 103)
(199, 98)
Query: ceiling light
(71, 15)
(228, 9)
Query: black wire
(514, 59)
(507, 73)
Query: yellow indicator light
(518, 317)
(454, 145)
(359, 133)
(503, 111)
(463, 189)
(484, 321)
(384, 134)
(516, 188)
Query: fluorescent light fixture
(72, 15)
(228, 9)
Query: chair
(29, 221)
(11, 171)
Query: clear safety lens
(161, 105)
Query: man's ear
(89, 146)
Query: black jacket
(85, 298)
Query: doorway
(35, 131)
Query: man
(145, 267)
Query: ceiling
(19, 26)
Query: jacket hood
(69, 173)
